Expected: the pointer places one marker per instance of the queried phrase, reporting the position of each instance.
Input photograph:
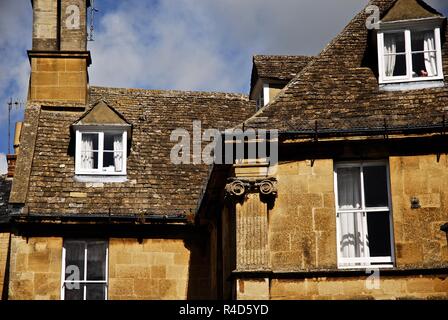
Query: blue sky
(178, 44)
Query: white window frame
(407, 28)
(263, 97)
(266, 94)
(366, 261)
(84, 281)
(100, 170)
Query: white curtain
(118, 153)
(349, 188)
(87, 154)
(352, 235)
(390, 58)
(430, 54)
(350, 223)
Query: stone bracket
(239, 187)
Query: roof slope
(339, 90)
(279, 67)
(155, 185)
(5, 188)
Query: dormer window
(409, 53)
(101, 142)
(101, 152)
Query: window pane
(394, 42)
(349, 190)
(89, 148)
(89, 141)
(417, 40)
(351, 235)
(96, 260)
(108, 161)
(395, 65)
(375, 186)
(89, 160)
(74, 294)
(424, 58)
(424, 65)
(113, 142)
(420, 40)
(74, 259)
(113, 161)
(394, 57)
(113, 155)
(96, 291)
(378, 224)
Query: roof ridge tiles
(173, 93)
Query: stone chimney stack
(59, 57)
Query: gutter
(385, 130)
(105, 218)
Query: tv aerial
(12, 104)
(92, 11)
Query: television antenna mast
(12, 104)
(92, 11)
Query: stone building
(354, 208)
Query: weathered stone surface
(388, 287)
(150, 270)
(59, 78)
(45, 25)
(35, 268)
(302, 222)
(4, 246)
(5, 189)
(418, 239)
(252, 289)
(252, 234)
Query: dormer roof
(409, 10)
(102, 114)
(277, 67)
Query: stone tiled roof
(277, 67)
(339, 90)
(155, 185)
(5, 188)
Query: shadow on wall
(199, 285)
(5, 292)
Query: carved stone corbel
(238, 187)
(267, 187)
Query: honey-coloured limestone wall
(157, 269)
(4, 246)
(59, 79)
(361, 288)
(302, 223)
(35, 268)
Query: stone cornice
(61, 54)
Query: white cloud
(207, 45)
(15, 39)
(179, 44)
